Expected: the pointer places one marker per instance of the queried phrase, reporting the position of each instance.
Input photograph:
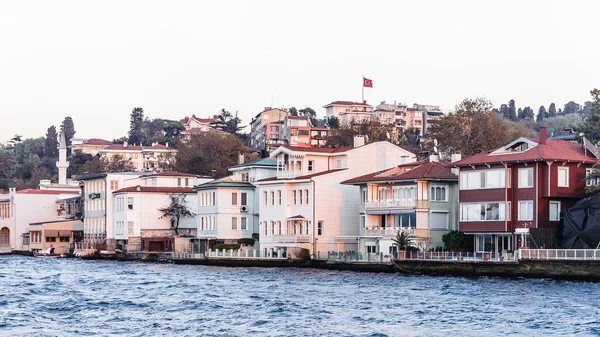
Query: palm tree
(404, 240)
(176, 210)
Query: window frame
(555, 202)
(234, 223)
(444, 189)
(563, 169)
(320, 228)
(234, 199)
(526, 202)
(528, 170)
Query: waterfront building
(90, 146)
(20, 208)
(229, 207)
(258, 131)
(419, 198)
(305, 206)
(137, 222)
(522, 187)
(144, 158)
(62, 235)
(347, 111)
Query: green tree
(512, 110)
(51, 143)
(520, 114)
(373, 131)
(411, 140)
(293, 111)
(591, 124)
(310, 113)
(116, 163)
(458, 241)
(474, 128)
(136, 122)
(404, 240)
(571, 108)
(333, 122)
(542, 113)
(528, 113)
(594, 177)
(228, 122)
(209, 153)
(552, 110)
(68, 128)
(556, 125)
(176, 210)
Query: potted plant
(404, 241)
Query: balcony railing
(286, 174)
(207, 233)
(390, 204)
(387, 231)
(290, 238)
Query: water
(71, 297)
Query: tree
(68, 128)
(542, 113)
(594, 177)
(227, 122)
(571, 108)
(373, 131)
(591, 124)
(458, 241)
(512, 111)
(411, 140)
(310, 113)
(51, 143)
(528, 113)
(116, 163)
(556, 125)
(404, 240)
(152, 131)
(520, 114)
(176, 210)
(136, 121)
(552, 110)
(293, 111)
(474, 128)
(209, 153)
(332, 122)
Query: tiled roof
(121, 147)
(423, 171)
(346, 103)
(216, 184)
(34, 191)
(152, 189)
(97, 141)
(308, 176)
(260, 162)
(171, 174)
(553, 150)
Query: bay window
(474, 180)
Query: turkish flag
(367, 83)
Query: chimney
(167, 144)
(240, 159)
(364, 101)
(359, 141)
(125, 144)
(138, 188)
(455, 157)
(542, 139)
(434, 158)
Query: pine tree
(51, 143)
(591, 124)
(552, 110)
(542, 113)
(512, 110)
(68, 128)
(136, 123)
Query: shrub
(255, 236)
(220, 246)
(246, 241)
(456, 240)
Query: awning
(51, 233)
(63, 232)
(296, 217)
(389, 211)
(346, 238)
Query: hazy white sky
(96, 60)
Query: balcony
(407, 203)
(286, 174)
(290, 238)
(385, 231)
(210, 233)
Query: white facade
(143, 158)
(306, 206)
(347, 111)
(20, 208)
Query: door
(4, 237)
(156, 246)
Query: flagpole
(363, 89)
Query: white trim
(563, 168)
(519, 209)
(557, 202)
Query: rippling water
(71, 297)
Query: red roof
(121, 147)
(34, 191)
(422, 171)
(171, 174)
(303, 177)
(97, 141)
(347, 103)
(151, 189)
(553, 150)
(186, 120)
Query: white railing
(207, 233)
(408, 203)
(358, 257)
(286, 174)
(388, 231)
(559, 254)
(290, 238)
(280, 254)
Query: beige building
(257, 129)
(143, 158)
(59, 234)
(91, 146)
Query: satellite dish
(435, 143)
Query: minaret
(62, 162)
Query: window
(362, 222)
(310, 165)
(363, 195)
(114, 185)
(266, 228)
(300, 196)
(554, 210)
(492, 211)
(563, 176)
(508, 210)
(484, 243)
(508, 178)
(473, 180)
(295, 199)
(265, 198)
(438, 220)
(306, 197)
(438, 193)
(244, 199)
(371, 249)
(50, 239)
(526, 177)
(244, 223)
(234, 199)
(130, 227)
(405, 220)
(234, 223)
(64, 239)
(213, 200)
(187, 182)
(202, 223)
(273, 227)
(279, 197)
(299, 166)
(273, 198)
(591, 181)
(130, 203)
(279, 226)
(338, 163)
(526, 210)
(320, 229)
(178, 181)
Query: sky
(97, 60)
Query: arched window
(4, 236)
(438, 193)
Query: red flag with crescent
(367, 83)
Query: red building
(525, 184)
